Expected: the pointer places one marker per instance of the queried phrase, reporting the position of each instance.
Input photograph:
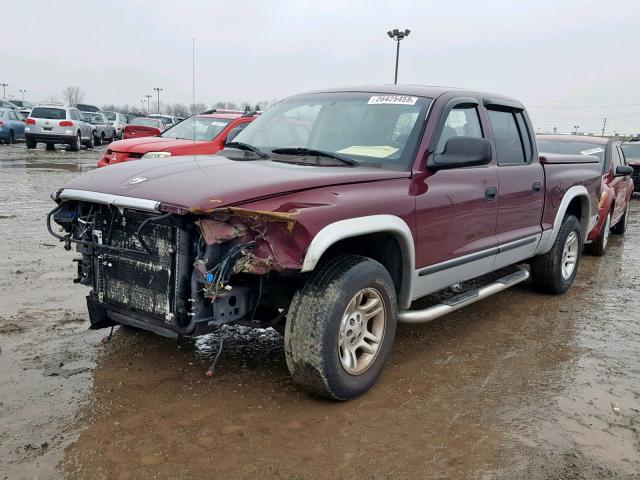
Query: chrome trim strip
(456, 262)
(110, 199)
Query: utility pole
(142, 103)
(555, 130)
(603, 126)
(148, 104)
(4, 86)
(158, 89)
(22, 92)
(398, 35)
(576, 127)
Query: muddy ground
(520, 385)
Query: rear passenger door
(520, 183)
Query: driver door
(456, 216)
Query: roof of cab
(417, 90)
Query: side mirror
(462, 152)
(623, 171)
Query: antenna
(193, 86)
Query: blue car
(11, 125)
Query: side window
(462, 121)
(74, 115)
(506, 135)
(623, 159)
(235, 131)
(615, 158)
(525, 136)
(12, 116)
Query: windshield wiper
(311, 151)
(247, 148)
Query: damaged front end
(178, 272)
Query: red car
(632, 152)
(617, 185)
(143, 127)
(203, 134)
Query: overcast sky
(571, 62)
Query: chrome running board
(462, 300)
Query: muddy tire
(554, 271)
(97, 140)
(340, 327)
(599, 245)
(50, 146)
(621, 227)
(12, 138)
(75, 145)
(31, 144)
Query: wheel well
(380, 246)
(580, 207)
(575, 208)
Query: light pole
(398, 35)
(576, 127)
(148, 103)
(142, 103)
(158, 89)
(4, 86)
(22, 92)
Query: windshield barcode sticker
(392, 100)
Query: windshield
(371, 129)
(631, 151)
(49, 113)
(147, 122)
(571, 147)
(198, 128)
(110, 116)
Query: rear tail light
(66, 123)
(1, 123)
(30, 121)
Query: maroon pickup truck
(327, 218)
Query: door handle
(491, 194)
(536, 187)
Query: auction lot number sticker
(392, 100)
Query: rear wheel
(599, 245)
(621, 227)
(89, 143)
(31, 143)
(12, 138)
(75, 145)
(50, 146)
(554, 271)
(340, 327)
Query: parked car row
(333, 216)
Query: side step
(463, 299)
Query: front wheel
(75, 145)
(554, 271)
(621, 227)
(340, 327)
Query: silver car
(104, 131)
(52, 124)
(119, 121)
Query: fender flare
(586, 221)
(354, 227)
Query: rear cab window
(511, 136)
(49, 113)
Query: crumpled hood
(205, 182)
(147, 144)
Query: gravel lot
(520, 385)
